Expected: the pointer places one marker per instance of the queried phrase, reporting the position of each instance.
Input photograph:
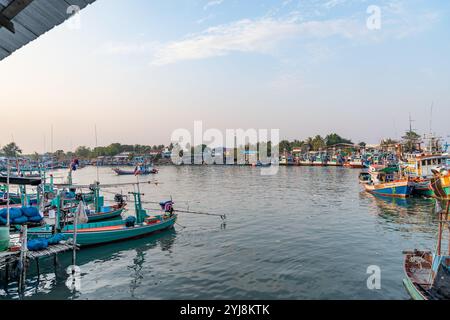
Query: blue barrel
(4, 238)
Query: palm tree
(12, 150)
(309, 143)
(318, 143)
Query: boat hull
(94, 234)
(105, 215)
(131, 173)
(394, 189)
(412, 290)
(423, 189)
(417, 268)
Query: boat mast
(7, 190)
(96, 146)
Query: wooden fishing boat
(335, 161)
(259, 164)
(145, 171)
(421, 187)
(443, 181)
(14, 198)
(115, 211)
(305, 161)
(399, 188)
(364, 177)
(386, 182)
(420, 167)
(356, 163)
(97, 233)
(427, 273)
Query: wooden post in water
(23, 257)
(442, 215)
(75, 228)
(8, 197)
(448, 226)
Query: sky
(138, 70)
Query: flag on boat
(74, 164)
(167, 206)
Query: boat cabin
(422, 165)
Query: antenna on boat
(431, 117)
(96, 146)
(410, 123)
(51, 139)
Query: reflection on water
(305, 233)
(50, 283)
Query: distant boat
(400, 188)
(335, 161)
(260, 164)
(320, 160)
(355, 163)
(144, 170)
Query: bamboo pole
(23, 257)
(75, 229)
(448, 226)
(7, 190)
(441, 223)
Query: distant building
(166, 154)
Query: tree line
(411, 142)
(315, 143)
(12, 150)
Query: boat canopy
(21, 181)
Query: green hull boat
(91, 234)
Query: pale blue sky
(140, 69)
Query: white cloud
(247, 35)
(263, 35)
(333, 3)
(212, 3)
(118, 48)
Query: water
(305, 233)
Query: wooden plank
(5, 22)
(15, 7)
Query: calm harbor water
(305, 233)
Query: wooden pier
(10, 259)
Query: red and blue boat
(387, 182)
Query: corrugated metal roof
(37, 18)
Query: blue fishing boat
(99, 212)
(387, 182)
